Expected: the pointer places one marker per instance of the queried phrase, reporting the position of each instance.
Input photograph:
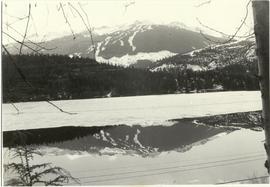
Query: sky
(47, 20)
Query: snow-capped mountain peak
(138, 44)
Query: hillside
(211, 57)
(138, 44)
(60, 77)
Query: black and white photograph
(135, 92)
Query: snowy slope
(138, 44)
(210, 57)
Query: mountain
(210, 57)
(138, 44)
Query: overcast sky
(223, 15)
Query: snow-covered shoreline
(142, 110)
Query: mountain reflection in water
(128, 155)
(144, 141)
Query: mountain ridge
(138, 44)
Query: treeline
(233, 77)
(60, 77)
(57, 77)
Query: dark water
(136, 139)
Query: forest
(57, 77)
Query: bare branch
(203, 3)
(222, 33)
(28, 83)
(17, 20)
(17, 68)
(71, 10)
(16, 17)
(231, 37)
(128, 5)
(26, 28)
(14, 106)
(63, 11)
(22, 44)
(88, 29)
(34, 43)
(13, 45)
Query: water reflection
(152, 155)
(141, 140)
(110, 140)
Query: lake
(132, 140)
(143, 110)
(222, 157)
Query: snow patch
(76, 156)
(212, 65)
(78, 54)
(136, 139)
(194, 67)
(111, 139)
(103, 136)
(226, 44)
(111, 151)
(98, 50)
(109, 94)
(219, 135)
(234, 47)
(121, 42)
(191, 53)
(90, 49)
(172, 66)
(96, 136)
(197, 123)
(127, 59)
(75, 55)
(130, 40)
(165, 67)
(107, 40)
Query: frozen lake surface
(143, 110)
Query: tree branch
(26, 28)
(222, 33)
(18, 111)
(88, 29)
(29, 84)
(22, 44)
(30, 41)
(231, 37)
(203, 3)
(63, 11)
